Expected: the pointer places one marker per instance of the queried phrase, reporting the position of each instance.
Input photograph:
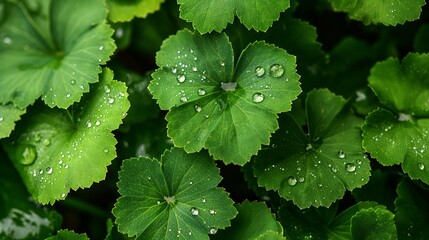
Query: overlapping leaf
(68, 235)
(373, 223)
(55, 150)
(52, 49)
(8, 116)
(229, 110)
(399, 133)
(175, 198)
(315, 169)
(390, 12)
(124, 11)
(253, 222)
(210, 15)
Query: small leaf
(329, 159)
(389, 12)
(210, 15)
(20, 216)
(68, 235)
(125, 11)
(412, 211)
(400, 135)
(231, 113)
(8, 116)
(55, 149)
(53, 52)
(373, 223)
(253, 222)
(176, 197)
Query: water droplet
(190, 183)
(72, 82)
(101, 47)
(41, 171)
(106, 150)
(97, 123)
(260, 71)
(158, 202)
(46, 142)
(68, 95)
(309, 147)
(7, 40)
(301, 179)
(99, 60)
(194, 69)
(212, 212)
(228, 86)
(203, 200)
(194, 211)
(213, 230)
(258, 97)
(350, 167)
(88, 124)
(197, 108)
(291, 181)
(111, 100)
(201, 92)
(181, 78)
(334, 169)
(421, 166)
(222, 64)
(341, 154)
(183, 99)
(404, 117)
(106, 89)
(63, 195)
(276, 70)
(1, 119)
(49, 170)
(28, 155)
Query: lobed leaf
(9, 114)
(229, 111)
(50, 50)
(68, 235)
(390, 12)
(315, 169)
(400, 135)
(125, 11)
(175, 198)
(210, 15)
(55, 149)
(373, 223)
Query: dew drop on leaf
(46, 142)
(28, 155)
(101, 47)
(291, 181)
(183, 99)
(201, 92)
(111, 100)
(213, 230)
(1, 119)
(106, 89)
(197, 108)
(212, 212)
(334, 169)
(301, 179)
(41, 171)
(350, 167)
(194, 211)
(88, 124)
(228, 86)
(258, 97)
(7, 40)
(106, 150)
(49, 170)
(181, 78)
(421, 166)
(72, 82)
(260, 71)
(194, 69)
(341, 154)
(97, 123)
(276, 70)
(204, 200)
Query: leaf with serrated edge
(8, 116)
(210, 15)
(125, 11)
(254, 221)
(55, 149)
(175, 198)
(68, 235)
(55, 53)
(330, 159)
(388, 12)
(230, 113)
(373, 223)
(400, 135)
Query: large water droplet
(111, 100)
(201, 92)
(291, 181)
(213, 230)
(341, 154)
(49, 170)
(228, 86)
(276, 70)
(197, 108)
(258, 97)
(260, 71)
(194, 69)
(181, 78)
(421, 166)
(350, 167)
(301, 179)
(106, 89)
(88, 124)
(194, 211)
(28, 154)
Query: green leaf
(315, 169)
(254, 221)
(389, 12)
(53, 52)
(8, 116)
(373, 223)
(175, 198)
(68, 235)
(210, 15)
(399, 135)
(412, 211)
(55, 149)
(228, 110)
(20, 216)
(125, 11)
(421, 38)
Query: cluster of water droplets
(275, 71)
